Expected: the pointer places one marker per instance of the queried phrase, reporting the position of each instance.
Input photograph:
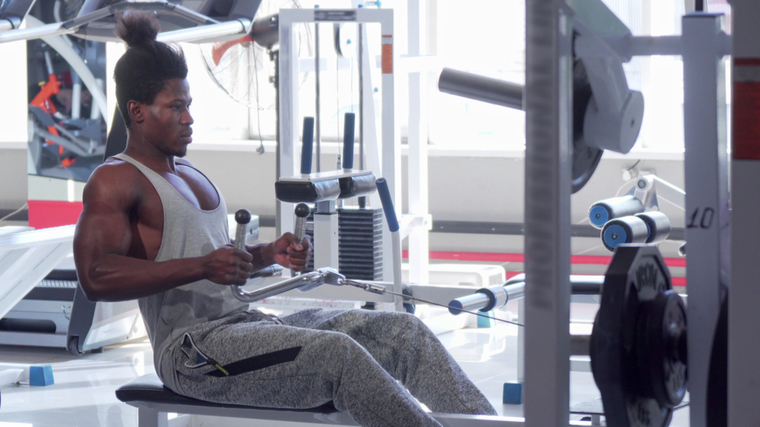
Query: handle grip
(385, 198)
(242, 217)
(302, 211)
(308, 145)
(348, 140)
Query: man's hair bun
(137, 29)
(141, 73)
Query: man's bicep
(104, 225)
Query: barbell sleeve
(487, 299)
(480, 88)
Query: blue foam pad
(41, 375)
(484, 322)
(513, 393)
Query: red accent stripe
(49, 213)
(575, 259)
(746, 139)
(511, 257)
(746, 62)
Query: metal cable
(366, 287)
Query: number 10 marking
(704, 220)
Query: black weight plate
(585, 158)
(636, 275)
(717, 380)
(661, 349)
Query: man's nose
(187, 118)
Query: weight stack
(360, 233)
(360, 242)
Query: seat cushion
(149, 388)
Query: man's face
(168, 120)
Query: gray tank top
(188, 232)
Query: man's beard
(181, 153)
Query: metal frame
(744, 294)
(153, 414)
(702, 46)
(26, 258)
(706, 181)
(548, 133)
(208, 29)
(651, 190)
(63, 47)
(388, 153)
(417, 176)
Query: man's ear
(136, 111)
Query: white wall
(13, 126)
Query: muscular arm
(104, 236)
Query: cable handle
(308, 145)
(242, 217)
(302, 211)
(388, 209)
(390, 216)
(348, 140)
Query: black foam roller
(628, 229)
(616, 207)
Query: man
(154, 228)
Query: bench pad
(149, 388)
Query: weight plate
(636, 277)
(585, 158)
(717, 379)
(661, 349)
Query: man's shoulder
(114, 169)
(114, 177)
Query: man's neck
(151, 157)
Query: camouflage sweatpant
(360, 360)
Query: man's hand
(228, 266)
(290, 253)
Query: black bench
(154, 401)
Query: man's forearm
(120, 278)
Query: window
(485, 37)
(488, 39)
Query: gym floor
(83, 393)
